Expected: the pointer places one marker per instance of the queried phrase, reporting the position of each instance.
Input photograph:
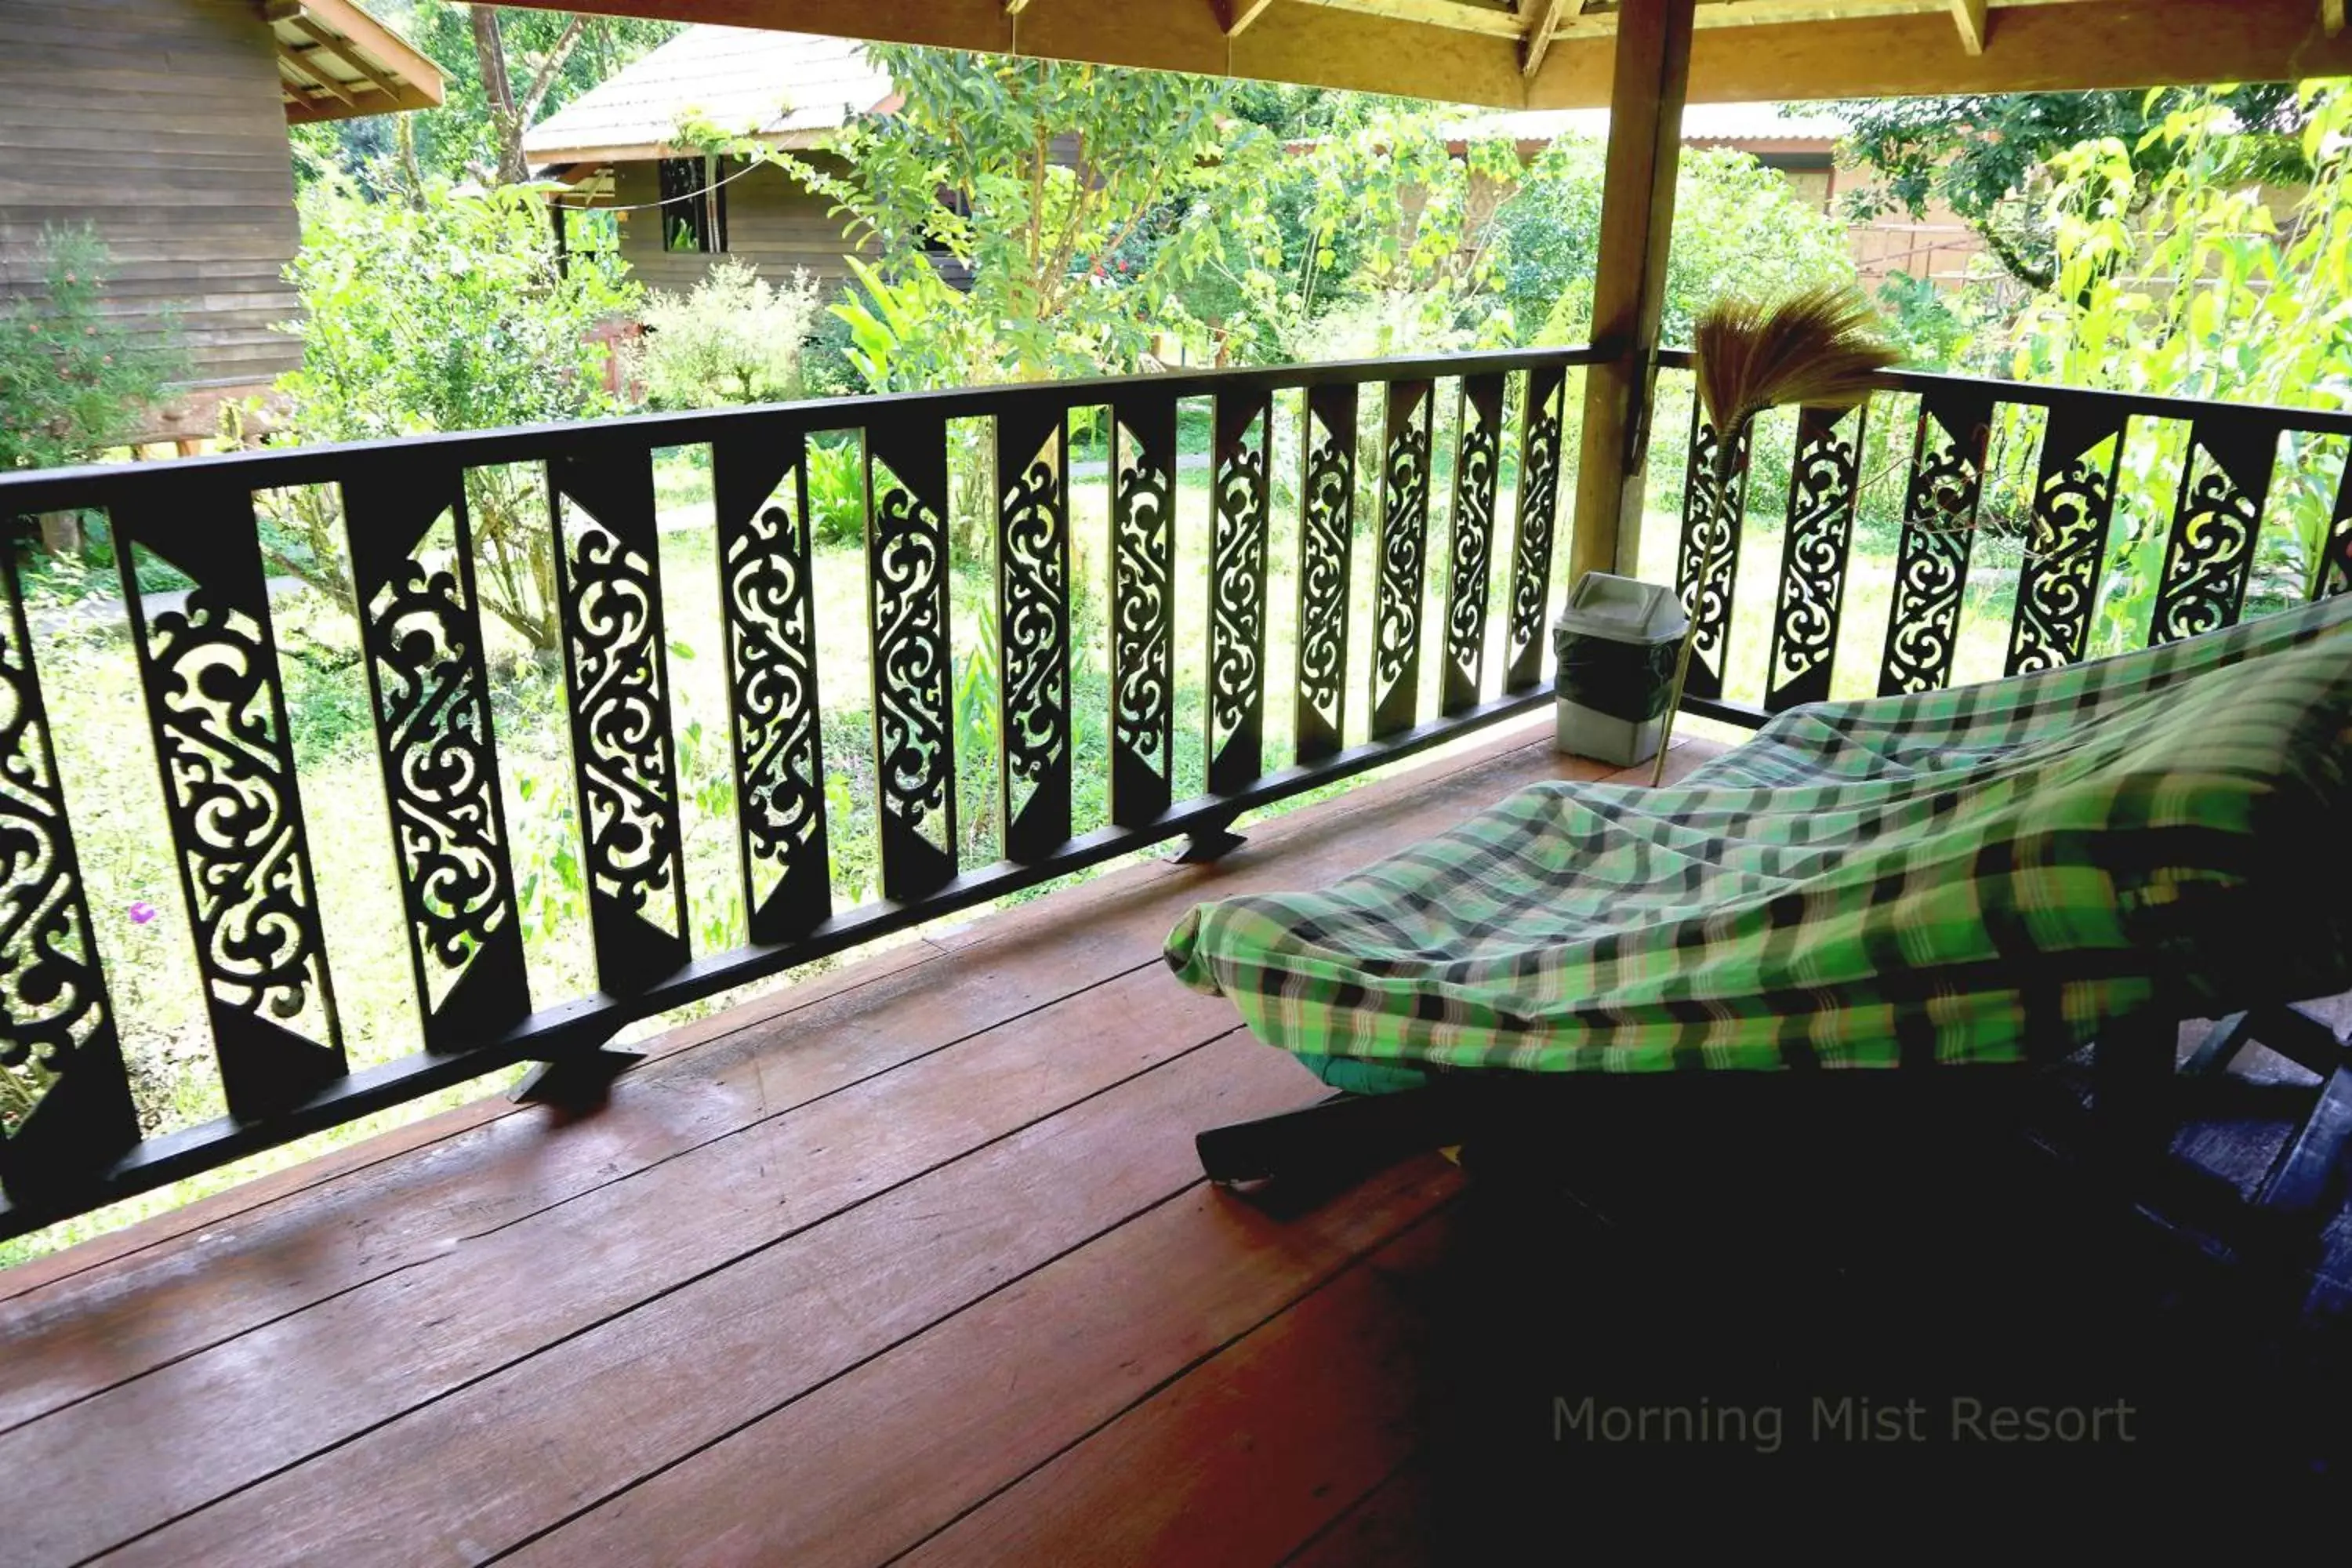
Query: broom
(1818, 348)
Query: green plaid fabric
(1976, 875)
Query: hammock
(1986, 874)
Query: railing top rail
(101, 484)
(2320, 421)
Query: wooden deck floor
(914, 1259)
(912, 1264)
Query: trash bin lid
(1622, 609)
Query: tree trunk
(497, 89)
(511, 116)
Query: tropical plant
(735, 337)
(1983, 157)
(73, 380)
(2186, 282)
(451, 316)
(1364, 209)
(1818, 348)
(1734, 218)
(1027, 178)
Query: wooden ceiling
(1557, 54)
(337, 62)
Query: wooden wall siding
(772, 221)
(157, 122)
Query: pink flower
(142, 911)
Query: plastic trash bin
(1616, 642)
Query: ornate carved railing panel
(2334, 574)
(57, 1039)
(2210, 551)
(1539, 507)
(1939, 520)
(906, 595)
(616, 678)
(1142, 607)
(411, 553)
(1477, 457)
(1033, 620)
(1711, 532)
(213, 702)
(2210, 555)
(1821, 500)
(767, 604)
(2073, 498)
(210, 668)
(218, 717)
(1238, 503)
(1403, 550)
(1327, 531)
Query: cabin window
(693, 206)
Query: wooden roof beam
(1492, 21)
(1240, 14)
(1750, 51)
(2069, 46)
(303, 70)
(334, 45)
(2331, 16)
(1970, 18)
(1544, 18)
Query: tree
(1365, 232)
(1981, 156)
(510, 116)
(1030, 178)
(450, 315)
(2185, 282)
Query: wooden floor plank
(206, 1214)
(197, 1364)
(495, 1462)
(97, 1330)
(1245, 1459)
(1391, 1526)
(872, 1464)
(139, 1455)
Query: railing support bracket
(580, 1081)
(1210, 842)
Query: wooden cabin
(675, 208)
(162, 124)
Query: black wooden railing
(216, 704)
(2230, 453)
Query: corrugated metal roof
(788, 87)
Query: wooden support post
(1637, 217)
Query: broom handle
(1674, 700)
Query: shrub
(736, 338)
(73, 381)
(449, 314)
(1734, 220)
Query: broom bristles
(1817, 348)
